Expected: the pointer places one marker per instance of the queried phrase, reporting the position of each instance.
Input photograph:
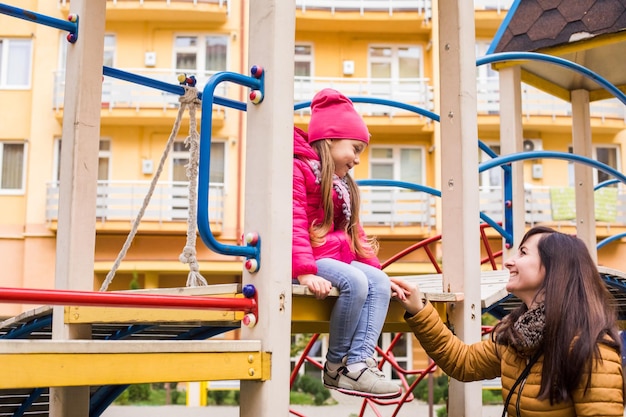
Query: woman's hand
(317, 285)
(409, 295)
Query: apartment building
(369, 48)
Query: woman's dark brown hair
(580, 313)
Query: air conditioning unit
(533, 145)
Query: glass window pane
(303, 50)
(216, 172)
(409, 63)
(381, 70)
(186, 60)
(607, 156)
(103, 169)
(381, 153)
(185, 41)
(302, 69)
(179, 171)
(12, 166)
(18, 65)
(215, 53)
(380, 52)
(411, 165)
(382, 171)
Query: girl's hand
(317, 285)
(409, 295)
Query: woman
(558, 354)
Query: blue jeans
(359, 313)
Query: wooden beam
(37, 363)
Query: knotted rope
(188, 100)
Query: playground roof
(591, 33)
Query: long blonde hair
(364, 246)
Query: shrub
(312, 386)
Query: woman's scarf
(527, 331)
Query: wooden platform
(310, 315)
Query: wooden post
(583, 174)
(268, 197)
(459, 191)
(512, 141)
(77, 191)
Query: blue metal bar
(385, 102)
(506, 235)
(534, 56)
(204, 227)
(168, 88)
(39, 18)
(36, 393)
(507, 159)
(605, 183)
(610, 239)
(400, 184)
(26, 329)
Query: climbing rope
(188, 100)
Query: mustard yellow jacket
(480, 361)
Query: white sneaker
(366, 382)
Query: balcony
(119, 202)
(204, 11)
(122, 95)
(384, 208)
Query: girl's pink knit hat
(333, 117)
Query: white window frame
(5, 61)
(486, 176)
(594, 155)
(394, 59)
(56, 165)
(200, 51)
(14, 191)
(395, 159)
(185, 155)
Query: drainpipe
(240, 133)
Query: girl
(330, 247)
(559, 353)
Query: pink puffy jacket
(307, 208)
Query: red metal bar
(114, 299)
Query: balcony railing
(362, 6)
(119, 94)
(122, 94)
(221, 3)
(122, 200)
(380, 206)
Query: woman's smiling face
(345, 153)
(526, 271)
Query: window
(303, 60)
(180, 159)
(15, 63)
(12, 167)
(104, 160)
(608, 155)
(396, 73)
(108, 56)
(493, 176)
(395, 62)
(199, 54)
(303, 70)
(397, 163)
(109, 51)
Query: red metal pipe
(114, 299)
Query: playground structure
(263, 343)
